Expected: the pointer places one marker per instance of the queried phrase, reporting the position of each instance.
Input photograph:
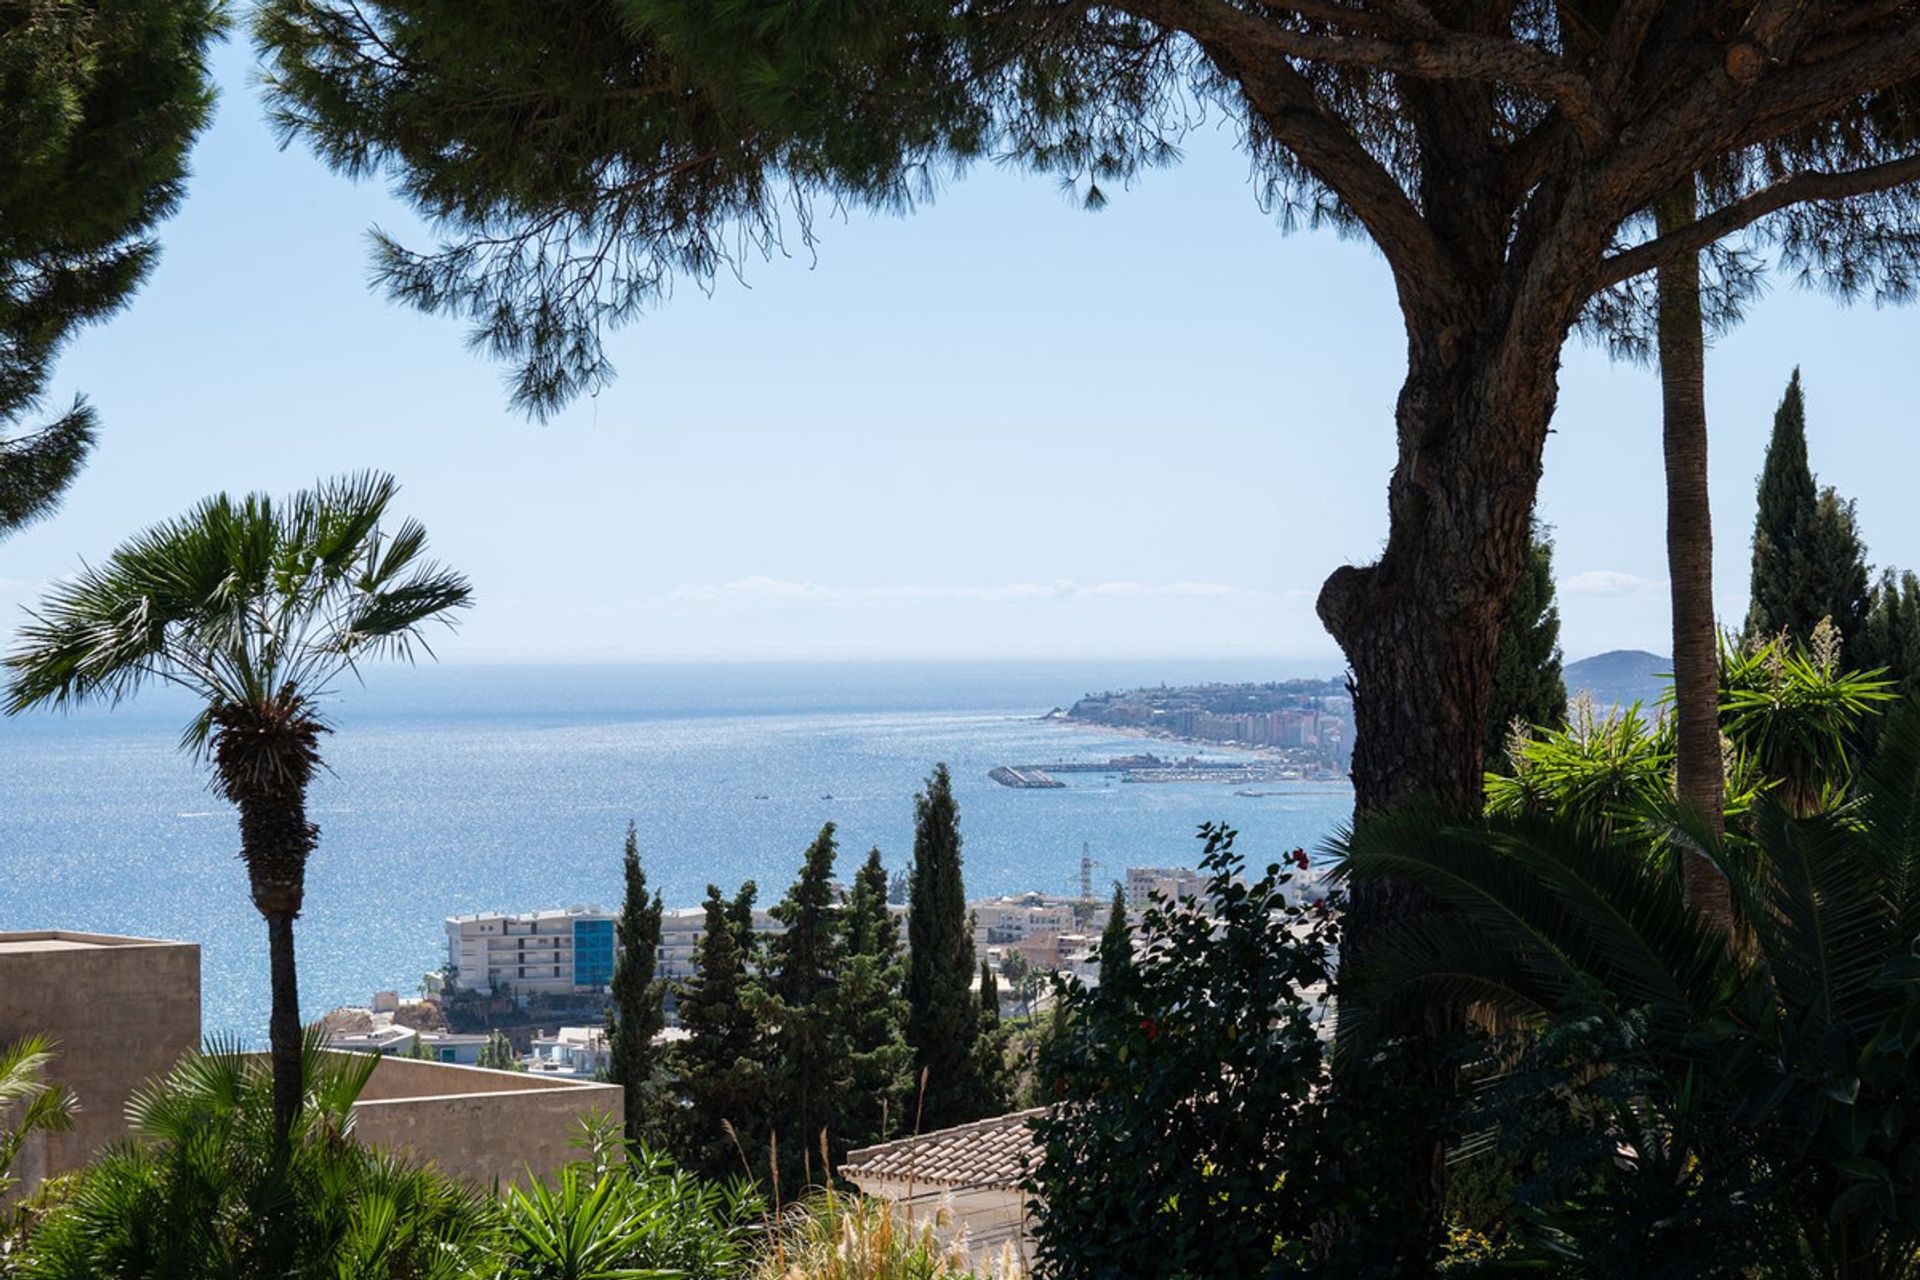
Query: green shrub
(1192, 1129)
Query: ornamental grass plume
(850, 1237)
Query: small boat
(827, 796)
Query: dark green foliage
(943, 1024)
(1189, 1132)
(719, 1076)
(1890, 640)
(1527, 682)
(740, 914)
(808, 1068)
(100, 102)
(1116, 946)
(873, 1013)
(989, 997)
(638, 1012)
(1808, 562)
(1773, 1078)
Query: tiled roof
(986, 1153)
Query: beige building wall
(120, 1010)
(483, 1126)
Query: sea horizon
(464, 787)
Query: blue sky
(998, 427)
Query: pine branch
(1742, 213)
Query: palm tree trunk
(275, 841)
(283, 1029)
(1700, 781)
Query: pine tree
(872, 1012)
(1527, 682)
(943, 1024)
(103, 99)
(809, 1069)
(1808, 562)
(1116, 946)
(719, 1081)
(638, 1011)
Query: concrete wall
(480, 1125)
(121, 1011)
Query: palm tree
(1795, 1039)
(29, 1103)
(256, 607)
(1698, 772)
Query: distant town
(1301, 729)
(528, 991)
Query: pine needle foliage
(103, 100)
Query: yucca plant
(1798, 715)
(1786, 1057)
(255, 607)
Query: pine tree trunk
(1420, 628)
(1700, 778)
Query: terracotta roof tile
(994, 1152)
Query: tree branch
(1323, 143)
(1724, 221)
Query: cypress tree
(990, 1050)
(719, 1081)
(1116, 946)
(1837, 570)
(1890, 638)
(809, 1069)
(740, 913)
(1527, 681)
(638, 1011)
(943, 1024)
(872, 1012)
(1808, 562)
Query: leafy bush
(1192, 1129)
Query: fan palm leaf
(256, 606)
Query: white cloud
(761, 592)
(1604, 582)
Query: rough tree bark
(1700, 774)
(275, 841)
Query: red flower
(1300, 859)
(1151, 1027)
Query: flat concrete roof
(66, 940)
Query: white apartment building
(680, 930)
(554, 951)
(1171, 883)
(998, 922)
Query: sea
(454, 789)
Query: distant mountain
(1619, 677)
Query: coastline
(1138, 733)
